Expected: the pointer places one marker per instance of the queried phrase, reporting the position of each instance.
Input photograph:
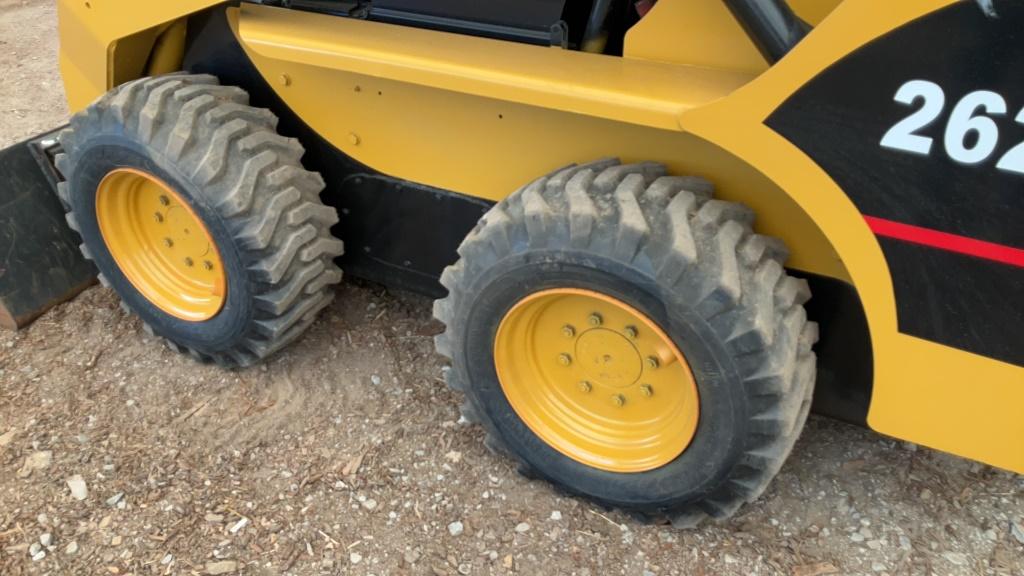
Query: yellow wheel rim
(597, 380)
(160, 245)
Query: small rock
(1017, 530)
(465, 568)
(35, 461)
(7, 437)
(926, 494)
(71, 548)
(877, 567)
(857, 537)
(79, 490)
(239, 525)
(215, 518)
(355, 557)
(905, 543)
(455, 528)
(411, 556)
(556, 515)
(34, 548)
(375, 380)
(955, 558)
(875, 544)
(46, 539)
(508, 562)
(523, 527)
(167, 559)
(370, 504)
(39, 556)
(116, 540)
(222, 567)
(115, 499)
(991, 534)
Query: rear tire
(691, 264)
(225, 163)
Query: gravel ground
(344, 455)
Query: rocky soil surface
(344, 454)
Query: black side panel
(396, 232)
(952, 231)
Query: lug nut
(595, 319)
(168, 242)
(564, 359)
(585, 386)
(164, 200)
(652, 362)
(568, 331)
(619, 400)
(646, 390)
(207, 264)
(158, 217)
(188, 261)
(631, 332)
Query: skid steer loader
(657, 229)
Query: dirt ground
(344, 454)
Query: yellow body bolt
(595, 319)
(564, 359)
(619, 400)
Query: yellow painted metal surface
(813, 11)
(694, 32)
(160, 245)
(90, 36)
(597, 380)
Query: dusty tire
(240, 179)
(690, 263)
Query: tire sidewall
(94, 158)
(718, 443)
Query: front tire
(200, 216)
(660, 249)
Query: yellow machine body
(480, 117)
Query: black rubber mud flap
(40, 264)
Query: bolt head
(568, 331)
(631, 332)
(207, 264)
(564, 359)
(286, 80)
(188, 261)
(619, 400)
(652, 362)
(164, 200)
(158, 217)
(595, 319)
(168, 242)
(646, 390)
(585, 386)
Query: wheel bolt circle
(568, 331)
(595, 319)
(564, 359)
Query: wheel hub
(596, 379)
(160, 244)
